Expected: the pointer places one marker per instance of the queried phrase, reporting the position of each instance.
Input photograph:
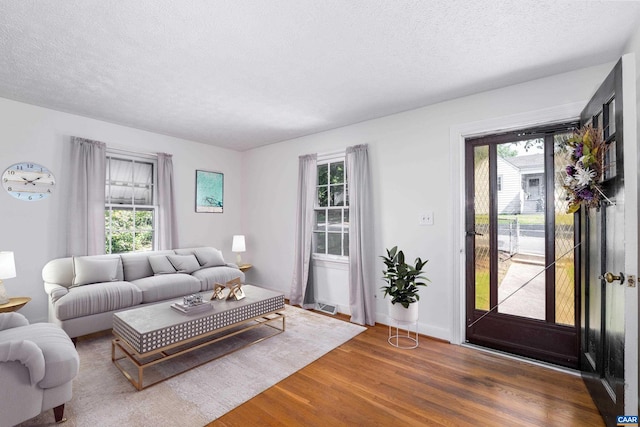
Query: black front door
(603, 282)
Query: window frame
(110, 207)
(326, 257)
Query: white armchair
(37, 366)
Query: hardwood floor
(367, 382)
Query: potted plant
(402, 285)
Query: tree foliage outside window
(129, 210)
(331, 222)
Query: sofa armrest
(54, 291)
(12, 320)
(232, 265)
(27, 353)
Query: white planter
(405, 315)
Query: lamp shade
(7, 265)
(238, 244)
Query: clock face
(28, 181)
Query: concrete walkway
(528, 301)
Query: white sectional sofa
(84, 292)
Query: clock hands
(32, 181)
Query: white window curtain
(167, 222)
(86, 232)
(302, 292)
(362, 255)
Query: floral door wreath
(582, 183)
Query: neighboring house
(510, 195)
(521, 184)
(531, 169)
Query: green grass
(528, 219)
(482, 289)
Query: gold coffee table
(146, 336)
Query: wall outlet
(426, 218)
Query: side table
(14, 304)
(245, 267)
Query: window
(130, 209)
(331, 224)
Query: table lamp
(238, 246)
(7, 271)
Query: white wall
(411, 161)
(36, 231)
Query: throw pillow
(161, 265)
(87, 270)
(184, 263)
(209, 257)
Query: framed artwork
(209, 191)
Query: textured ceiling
(245, 73)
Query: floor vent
(326, 308)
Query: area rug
(102, 396)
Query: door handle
(610, 277)
(473, 233)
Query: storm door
(521, 246)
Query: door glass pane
(481, 224)
(610, 161)
(564, 234)
(612, 117)
(521, 228)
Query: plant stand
(402, 334)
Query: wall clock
(28, 181)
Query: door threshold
(540, 363)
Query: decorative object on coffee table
(218, 292)
(235, 289)
(192, 304)
(236, 293)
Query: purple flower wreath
(586, 149)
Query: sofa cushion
(97, 298)
(210, 276)
(88, 270)
(166, 286)
(209, 257)
(136, 265)
(184, 263)
(60, 356)
(60, 271)
(160, 264)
